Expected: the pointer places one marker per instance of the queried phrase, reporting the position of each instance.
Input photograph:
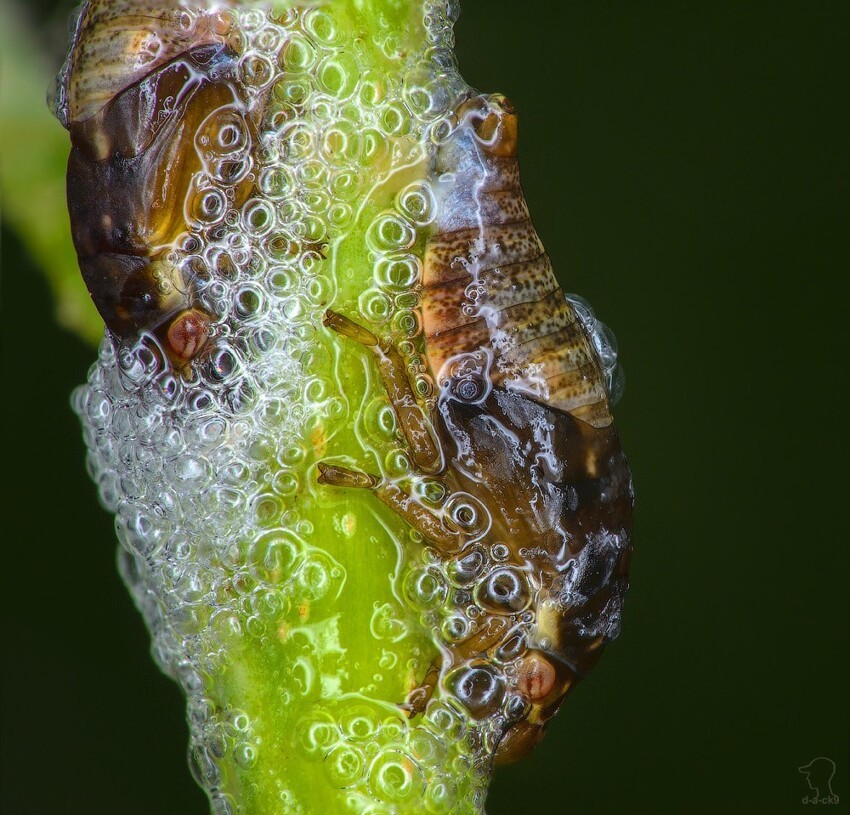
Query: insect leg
(411, 418)
(397, 499)
(417, 700)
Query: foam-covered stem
(280, 606)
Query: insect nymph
(141, 93)
(534, 525)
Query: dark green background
(686, 167)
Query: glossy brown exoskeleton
(533, 526)
(138, 174)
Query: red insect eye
(188, 333)
(536, 678)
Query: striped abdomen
(488, 290)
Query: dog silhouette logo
(819, 773)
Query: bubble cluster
(369, 752)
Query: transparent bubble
(386, 623)
(425, 587)
(340, 216)
(277, 182)
(245, 756)
(397, 464)
(301, 140)
(227, 629)
(441, 797)
(375, 146)
(338, 75)
(465, 568)
(341, 143)
(389, 232)
(315, 577)
(455, 628)
(417, 203)
(345, 185)
(465, 513)
(373, 88)
(269, 39)
(394, 777)
(407, 323)
(321, 27)
(270, 604)
(398, 273)
(358, 723)
(317, 735)
(258, 218)
(512, 646)
(274, 557)
(344, 765)
(379, 420)
(478, 686)
(298, 54)
(615, 381)
(285, 484)
(395, 119)
(208, 207)
(203, 767)
(503, 591)
(376, 306)
(427, 747)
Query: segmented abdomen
(119, 42)
(488, 288)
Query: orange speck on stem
(318, 439)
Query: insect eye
(188, 334)
(536, 678)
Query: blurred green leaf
(33, 153)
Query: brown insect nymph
(521, 443)
(135, 168)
